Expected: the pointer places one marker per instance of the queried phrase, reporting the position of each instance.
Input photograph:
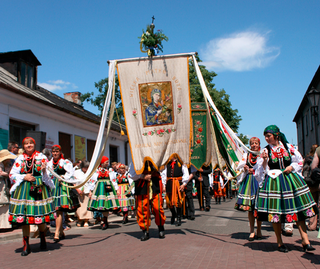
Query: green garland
(151, 42)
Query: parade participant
(284, 196)
(124, 181)
(249, 186)
(30, 202)
(64, 198)
(189, 197)
(174, 179)
(104, 196)
(82, 212)
(217, 185)
(5, 166)
(203, 184)
(148, 194)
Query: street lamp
(313, 97)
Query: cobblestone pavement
(216, 239)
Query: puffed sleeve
(16, 178)
(240, 167)
(113, 179)
(296, 159)
(46, 179)
(68, 167)
(163, 175)
(185, 176)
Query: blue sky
(264, 52)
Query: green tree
(220, 98)
(98, 101)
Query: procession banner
(201, 146)
(156, 102)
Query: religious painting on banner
(156, 102)
(201, 146)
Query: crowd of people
(270, 186)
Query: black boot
(219, 200)
(216, 200)
(105, 224)
(26, 247)
(173, 215)
(179, 216)
(161, 232)
(43, 243)
(125, 219)
(145, 236)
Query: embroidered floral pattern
(179, 108)
(160, 132)
(134, 113)
(198, 133)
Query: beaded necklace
(252, 159)
(29, 159)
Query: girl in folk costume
(64, 198)
(82, 212)
(124, 181)
(249, 186)
(104, 196)
(284, 196)
(31, 202)
(217, 185)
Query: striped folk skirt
(247, 194)
(65, 199)
(285, 199)
(104, 197)
(31, 204)
(126, 203)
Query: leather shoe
(201, 209)
(161, 232)
(308, 247)
(145, 236)
(208, 208)
(192, 218)
(283, 248)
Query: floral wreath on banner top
(151, 42)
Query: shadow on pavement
(154, 233)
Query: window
(27, 75)
(18, 130)
(113, 154)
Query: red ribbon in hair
(57, 146)
(28, 137)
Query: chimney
(73, 97)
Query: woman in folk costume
(31, 201)
(124, 181)
(64, 198)
(148, 196)
(284, 196)
(104, 196)
(249, 186)
(82, 212)
(175, 178)
(217, 185)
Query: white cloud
(239, 52)
(53, 85)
